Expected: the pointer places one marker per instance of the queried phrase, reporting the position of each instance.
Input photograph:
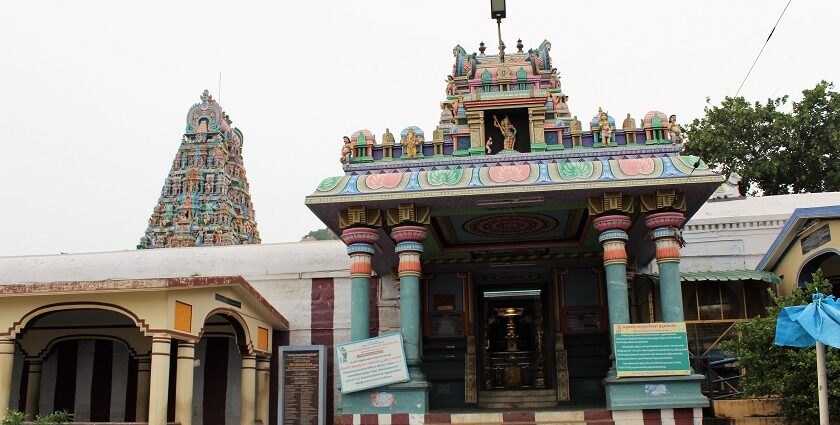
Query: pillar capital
(409, 234)
(665, 227)
(357, 235)
(613, 229)
(360, 242)
(612, 222)
(409, 248)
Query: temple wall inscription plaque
(303, 382)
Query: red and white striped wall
(579, 417)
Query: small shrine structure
(514, 232)
(205, 200)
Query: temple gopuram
(205, 200)
(514, 231)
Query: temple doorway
(513, 339)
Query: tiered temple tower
(205, 200)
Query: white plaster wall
(291, 259)
(293, 299)
(341, 314)
(389, 305)
(735, 234)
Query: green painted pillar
(409, 248)
(666, 234)
(613, 237)
(360, 242)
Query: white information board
(371, 363)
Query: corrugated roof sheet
(725, 276)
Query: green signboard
(651, 349)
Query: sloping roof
(765, 207)
(791, 230)
(725, 276)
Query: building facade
(512, 233)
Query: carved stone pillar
(144, 368)
(666, 234)
(184, 382)
(475, 121)
(263, 375)
(7, 361)
(248, 389)
(159, 380)
(536, 122)
(360, 249)
(613, 236)
(409, 248)
(33, 389)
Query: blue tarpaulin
(802, 326)
(817, 324)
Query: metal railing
(721, 378)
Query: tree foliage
(320, 235)
(787, 372)
(774, 150)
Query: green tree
(786, 372)
(320, 235)
(775, 151)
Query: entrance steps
(517, 399)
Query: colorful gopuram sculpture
(518, 103)
(205, 199)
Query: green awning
(724, 276)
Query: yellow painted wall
(153, 310)
(789, 265)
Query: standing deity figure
(411, 143)
(208, 183)
(629, 127)
(346, 150)
(488, 145)
(508, 131)
(604, 127)
(676, 132)
(576, 130)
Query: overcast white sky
(94, 94)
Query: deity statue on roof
(561, 108)
(675, 131)
(488, 145)
(410, 143)
(508, 131)
(346, 149)
(604, 127)
(629, 127)
(388, 138)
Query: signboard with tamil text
(651, 349)
(371, 363)
(303, 381)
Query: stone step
(517, 393)
(515, 404)
(498, 399)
